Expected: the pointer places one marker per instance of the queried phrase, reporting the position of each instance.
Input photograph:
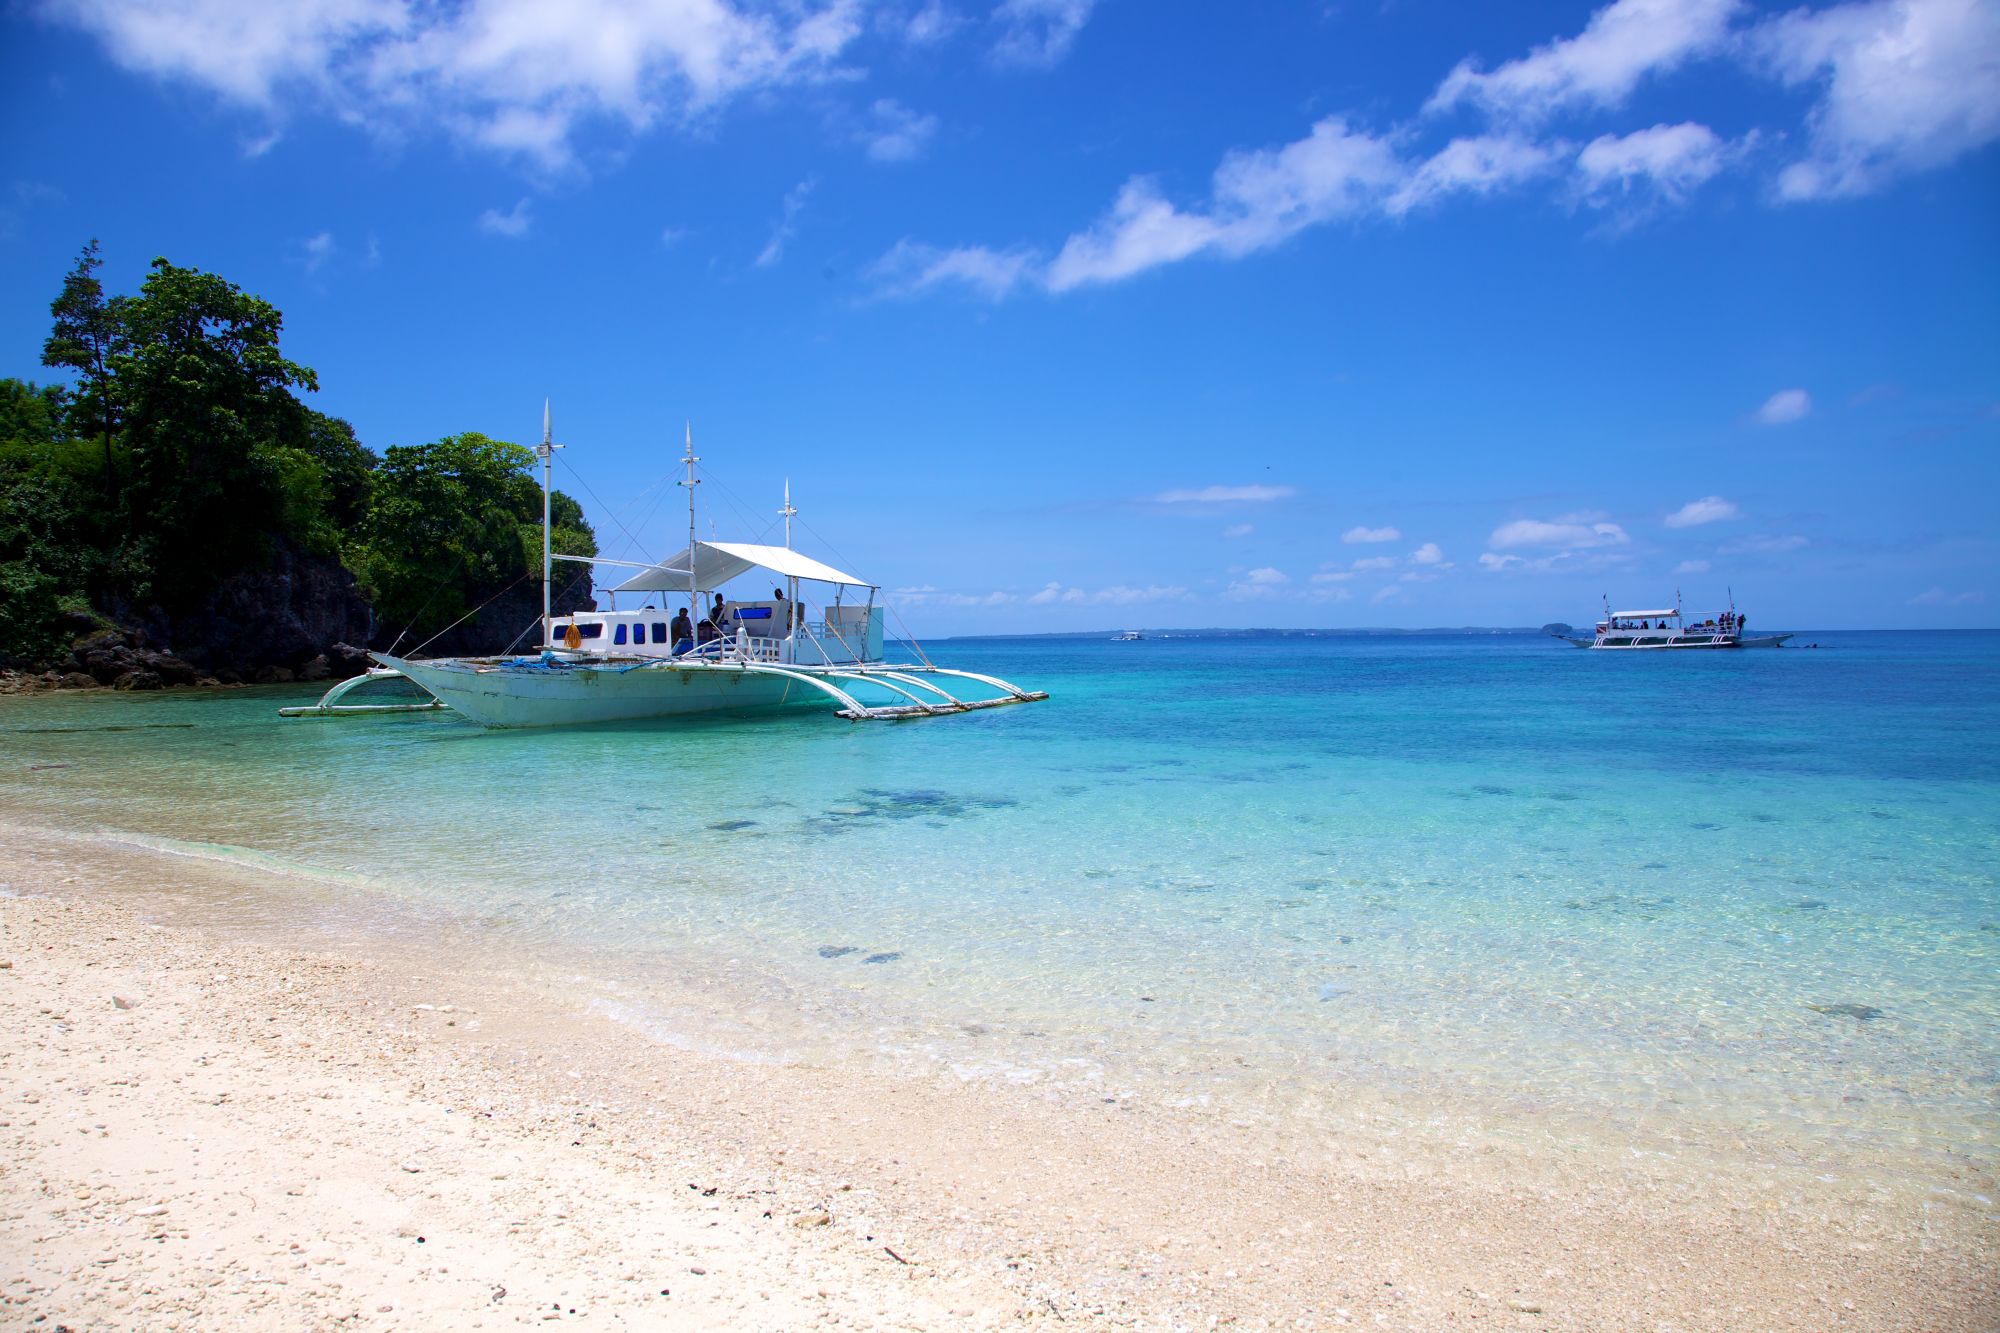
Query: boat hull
(506, 696)
(1679, 644)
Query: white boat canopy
(715, 563)
(1615, 615)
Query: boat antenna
(787, 512)
(547, 451)
(692, 481)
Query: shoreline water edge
(230, 1110)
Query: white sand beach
(209, 1125)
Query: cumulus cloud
(515, 222)
(1786, 405)
(1371, 562)
(1429, 554)
(1599, 67)
(1210, 495)
(1259, 584)
(515, 76)
(1363, 534)
(1574, 533)
(1036, 34)
(894, 133)
(1708, 509)
(1907, 85)
(1666, 162)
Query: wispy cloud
(1663, 164)
(1708, 509)
(1784, 406)
(1212, 495)
(1036, 34)
(1599, 67)
(1574, 533)
(515, 222)
(1763, 545)
(1692, 567)
(1939, 597)
(1236, 531)
(895, 133)
(787, 225)
(1358, 535)
(319, 248)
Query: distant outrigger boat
(1127, 636)
(1670, 629)
(613, 665)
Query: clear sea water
(1706, 907)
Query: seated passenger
(706, 632)
(682, 632)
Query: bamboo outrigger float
(606, 666)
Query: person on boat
(706, 632)
(716, 614)
(682, 633)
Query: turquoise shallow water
(1711, 905)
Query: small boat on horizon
(1127, 636)
(1669, 629)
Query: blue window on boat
(618, 634)
(659, 631)
(593, 629)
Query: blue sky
(1062, 314)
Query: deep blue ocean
(1703, 905)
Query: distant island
(177, 516)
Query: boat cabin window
(659, 631)
(618, 634)
(590, 629)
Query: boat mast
(547, 451)
(694, 592)
(791, 580)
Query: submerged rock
(732, 825)
(1861, 1013)
(836, 950)
(882, 957)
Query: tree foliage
(183, 457)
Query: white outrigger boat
(1670, 629)
(745, 653)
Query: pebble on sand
(125, 1001)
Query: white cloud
(1670, 161)
(1389, 593)
(1375, 562)
(515, 76)
(1333, 576)
(318, 250)
(514, 222)
(1236, 530)
(1708, 509)
(1692, 567)
(929, 25)
(1909, 84)
(1474, 166)
(1036, 34)
(1420, 576)
(1054, 593)
(895, 133)
(1260, 584)
(1762, 545)
(1562, 562)
(787, 225)
(1622, 43)
(1429, 554)
(1258, 199)
(911, 267)
(1267, 576)
(1361, 534)
(1209, 495)
(1573, 533)
(1786, 405)
(1939, 597)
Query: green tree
(88, 336)
(208, 403)
(49, 520)
(454, 524)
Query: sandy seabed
(212, 1126)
